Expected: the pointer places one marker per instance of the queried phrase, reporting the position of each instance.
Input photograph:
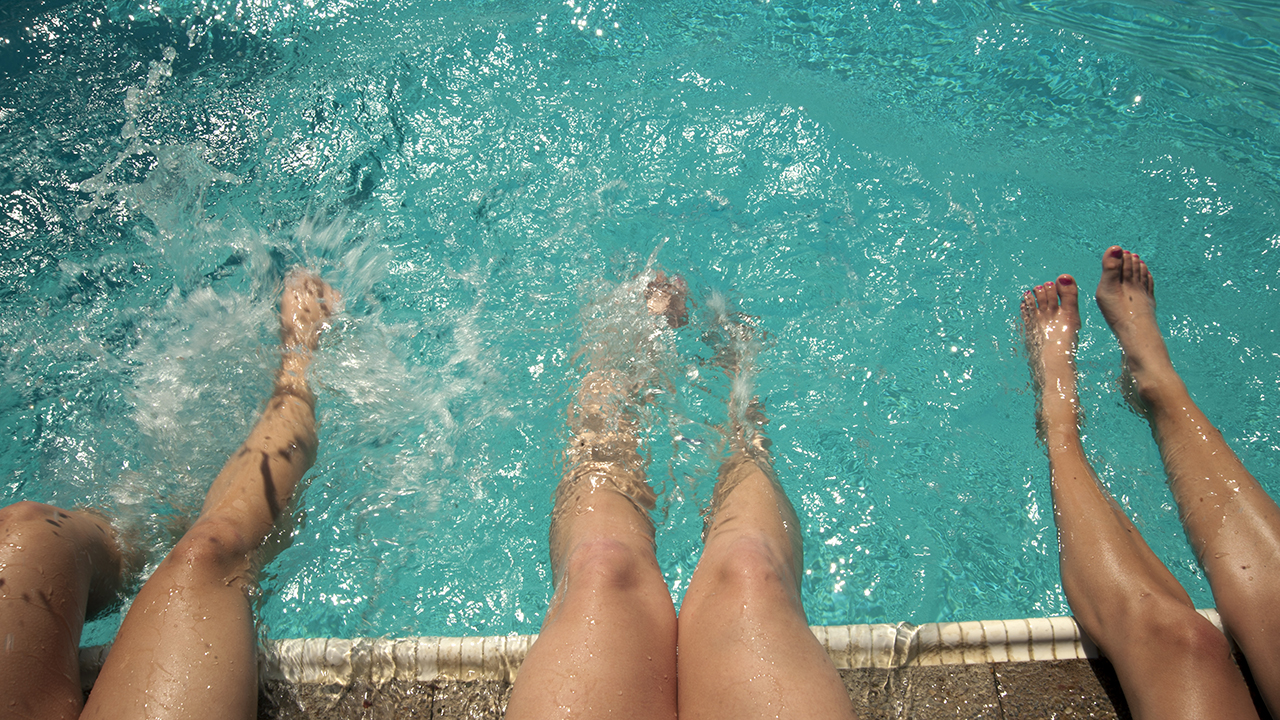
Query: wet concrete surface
(1059, 689)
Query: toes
(1068, 292)
(667, 296)
(1042, 295)
(1028, 307)
(1141, 275)
(682, 287)
(1112, 259)
(1051, 296)
(1127, 271)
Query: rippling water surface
(874, 181)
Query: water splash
(737, 343)
(174, 189)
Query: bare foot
(668, 296)
(306, 304)
(609, 396)
(733, 336)
(1051, 319)
(1126, 296)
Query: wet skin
(1171, 661)
(1232, 523)
(187, 647)
(609, 644)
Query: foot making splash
(1171, 661)
(194, 617)
(609, 644)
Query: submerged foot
(669, 297)
(1051, 319)
(1126, 296)
(737, 340)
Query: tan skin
(1232, 523)
(1171, 662)
(608, 647)
(187, 647)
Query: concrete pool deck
(994, 691)
(1002, 669)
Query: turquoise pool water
(875, 181)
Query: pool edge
(376, 661)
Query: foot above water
(306, 303)
(1126, 297)
(1051, 319)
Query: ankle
(1162, 392)
(291, 380)
(1153, 377)
(1061, 439)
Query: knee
(750, 567)
(211, 549)
(1178, 632)
(610, 566)
(25, 511)
(27, 518)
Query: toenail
(1065, 281)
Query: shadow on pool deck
(1045, 689)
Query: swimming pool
(875, 181)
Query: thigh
(55, 566)
(608, 647)
(187, 648)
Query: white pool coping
(889, 646)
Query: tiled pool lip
(885, 645)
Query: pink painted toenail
(1117, 252)
(1066, 281)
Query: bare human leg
(746, 650)
(1232, 523)
(608, 645)
(57, 567)
(187, 647)
(1172, 663)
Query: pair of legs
(609, 643)
(187, 647)
(1171, 662)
